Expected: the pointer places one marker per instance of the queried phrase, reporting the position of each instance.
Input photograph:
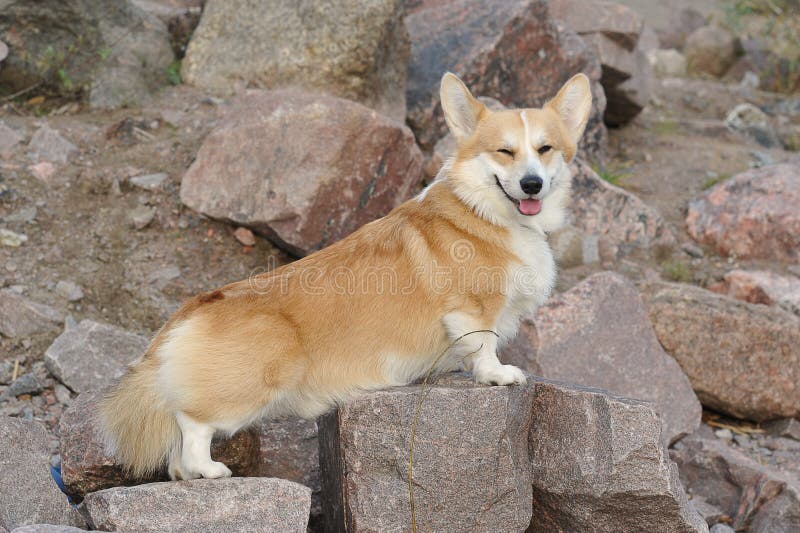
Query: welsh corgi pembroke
(450, 271)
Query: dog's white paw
(215, 470)
(500, 375)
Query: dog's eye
(544, 149)
(506, 151)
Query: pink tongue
(530, 206)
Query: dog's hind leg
(194, 459)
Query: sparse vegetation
(174, 72)
(678, 271)
(713, 180)
(612, 173)
(665, 127)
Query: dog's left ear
(573, 103)
(461, 110)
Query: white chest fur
(529, 282)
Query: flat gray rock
(27, 492)
(208, 505)
(21, 317)
(92, 355)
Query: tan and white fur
(373, 310)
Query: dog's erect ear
(573, 103)
(461, 110)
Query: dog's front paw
(500, 375)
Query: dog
(448, 272)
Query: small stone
(750, 121)
(162, 276)
(721, 528)
(6, 372)
(26, 215)
(63, 395)
(8, 137)
(724, 433)
(69, 290)
(140, 217)
(750, 80)
(693, 250)
(25, 384)
(12, 238)
(47, 144)
(668, 63)
(43, 171)
(150, 182)
(245, 236)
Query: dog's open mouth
(527, 206)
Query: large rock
(540, 457)
(761, 287)
(289, 449)
(752, 215)
(742, 359)
(710, 50)
(20, 317)
(598, 464)
(114, 50)
(91, 355)
(86, 467)
(510, 50)
(757, 499)
(27, 492)
(354, 49)
(613, 30)
(621, 220)
(598, 334)
(303, 169)
(209, 505)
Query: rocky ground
(679, 274)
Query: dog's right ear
(461, 110)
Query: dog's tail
(137, 427)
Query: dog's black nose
(531, 184)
